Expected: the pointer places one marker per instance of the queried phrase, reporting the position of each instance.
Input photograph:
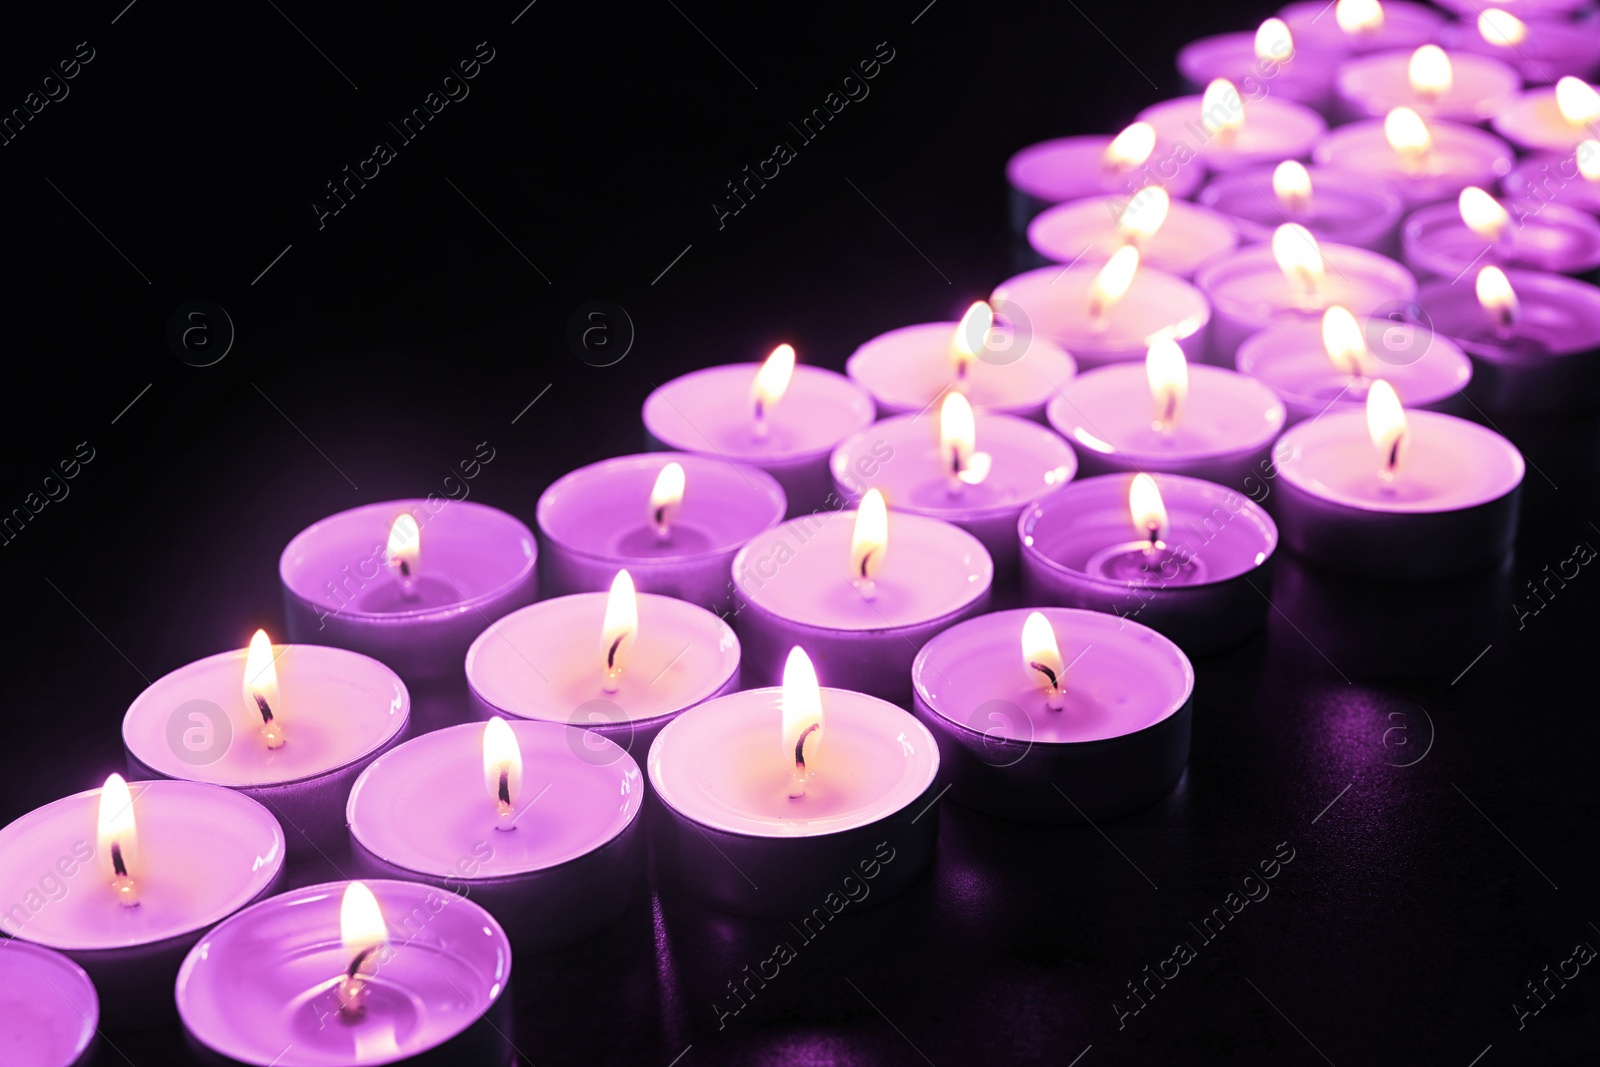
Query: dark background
(380, 349)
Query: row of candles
(1085, 439)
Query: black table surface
(1419, 763)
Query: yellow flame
(363, 935)
(958, 442)
(869, 541)
(1501, 28)
(1588, 157)
(502, 768)
(404, 549)
(665, 496)
(1386, 425)
(971, 337)
(802, 719)
(118, 839)
(1408, 135)
(770, 383)
(1111, 284)
(618, 629)
(1430, 72)
(1274, 43)
(1041, 658)
(1482, 213)
(1222, 110)
(1359, 16)
(1299, 257)
(1143, 216)
(1344, 342)
(1148, 511)
(1168, 374)
(1291, 184)
(1496, 296)
(1131, 147)
(1577, 100)
(261, 689)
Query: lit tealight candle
(1568, 180)
(1168, 416)
(1098, 737)
(364, 937)
(1551, 119)
(1446, 240)
(1460, 86)
(1173, 236)
(1543, 49)
(1362, 25)
(1226, 131)
(762, 817)
(1269, 54)
(1070, 168)
(1428, 160)
(1340, 207)
(780, 416)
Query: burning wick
(797, 784)
(118, 839)
(1043, 657)
(771, 381)
(502, 770)
(1498, 299)
(868, 541)
(618, 629)
(362, 932)
(1386, 424)
(665, 496)
(405, 540)
(1149, 515)
(261, 688)
(958, 436)
(801, 700)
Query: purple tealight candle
(1295, 279)
(1056, 715)
(1534, 338)
(1383, 493)
(48, 1007)
(1171, 235)
(774, 798)
(1185, 557)
(1361, 25)
(998, 365)
(1551, 118)
(1459, 86)
(535, 822)
(862, 590)
(1070, 168)
(1227, 131)
(1202, 421)
(674, 520)
(1528, 9)
(407, 582)
(1572, 180)
(1542, 49)
(619, 663)
(1337, 206)
(146, 867)
(351, 973)
(1107, 314)
(1447, 240)
(1426, 161)
(778, 416)
(1267, 55)
(975, 470)
(1331, 365)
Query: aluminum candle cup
(1544, 178)
(1542, 49)
(1522, 9)
(1479, 86)
(265, 987)
(1070, 168)
(734, 837)
(600, 519)
(1305, 77)
(48, 1008)
(1268, 129)
(472, 565)
(1547, 359)
(1450, 508)
(1057, 302)
(1026, 462)
(1560, 240)
(710, 411)
(1400, 24)
(1088, 231)
(1223, 434)
(562, 863)
(1119, 741)
(337, 711)
(202, 853)
(1206, 584)
(548, 662)
(1459, 156)
(1535, 121)
(1344, 207)
(800, 585)
(1426, 369)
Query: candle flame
(1501, 28)
(1041, 657)
(1344, 342)
(1408, 135)
(770, 383)
(1496, 296)
(1588, 157)
(958, 441)
(1386, 425)
(1113, 282)
(261, 689)
(1291, 184)
(1299, 258)
(1274, 43)
(1577, 100)
(618, 629)
(1148, 511)
(404, 550)
(1222, 110)
(118, 840)
(970, 338)
(502, 769)
(364, 937)
(1430, 72)
(802, 719)
(1131, 147)
(869, 541)
(1358, 16)
(665, 496)
(1143, 216)
(1482, 213)
(1168, 374)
